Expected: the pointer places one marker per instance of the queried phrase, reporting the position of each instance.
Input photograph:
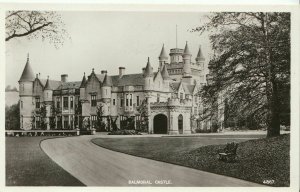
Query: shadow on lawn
(258, 160)
(28, 165)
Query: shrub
(202, 130)
(12, 117)
(125, 132)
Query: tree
(143, 111)
(12, 117)
(251, 63)
(78, 115)
(100, 124)
(52, 120)
(42, 114)
(35, 24)
(8, 88)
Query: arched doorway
(180, 124)
(160, 123)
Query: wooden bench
(229, 154)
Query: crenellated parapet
(179, 102)
(176, 102)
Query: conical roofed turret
(48, 94)
(148, 70)
(27, 74)
(107, 81)
(47, 86)
(163, 54)
(200, 55)
(106, 91)
(157, 74)
(83, 82)
(186, 50)
(165, 73)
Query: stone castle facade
(167, 99)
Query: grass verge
(259, 160)
(28, 165)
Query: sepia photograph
(99, 98)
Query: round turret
(166, 77)
(82, 87)
(148, 77)
(26, 96)
(200, 59)
(106, 88)
(26, 80)
(48, 91)
(186, 56)
(163, 57)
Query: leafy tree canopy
(251, 64)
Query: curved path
(96, 166)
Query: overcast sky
(106, 41)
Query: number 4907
(269, 181)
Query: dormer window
(37, 103)
(93, 100)
(181, 95)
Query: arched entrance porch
(160, 124)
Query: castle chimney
(121, 71)
(104, 72)
(64, 78)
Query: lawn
(259, 160)
(28, 165)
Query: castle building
(164, 101)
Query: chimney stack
(121, 71)
(104, 72)
(64, 78)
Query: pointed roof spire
(158, 73)
(186, 49)
(107, 81)
(200, 54)
(83, 82)
(165, 73)
(148, 70)
(163, 54)
(47, 86)
(27, 74)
